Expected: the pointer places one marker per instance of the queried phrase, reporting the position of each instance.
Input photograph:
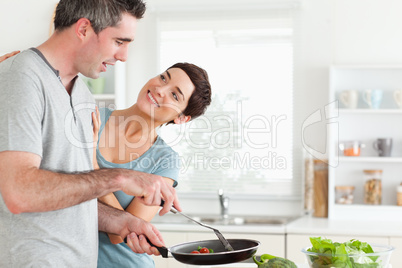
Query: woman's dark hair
(101, 13)
(201, 97)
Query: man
(49, 216)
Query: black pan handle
(162, 250)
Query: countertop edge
(303, 225)
(257, 229)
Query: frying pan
(243, 249)
(223, 253)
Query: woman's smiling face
(165, 96)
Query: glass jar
(344, 194)
(351, 148)
(309, 185)
(373, 187)
(399, 195)
(320, 189)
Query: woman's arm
(145, 212)
(135, 208)
(109, 199)
(96, 125)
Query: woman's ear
(182, 119)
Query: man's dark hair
(101, 13)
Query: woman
(128, 139)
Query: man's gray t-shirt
(37, 115)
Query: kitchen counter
(193, 227)
(287, 240)
(302, 225)
(172, 222)
(380, 232)
(247, 265)
(320, 226)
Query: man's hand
(8, 55)
(124, 224)
(151, 189)
(137, 241)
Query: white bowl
(381, 255)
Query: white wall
(24, 23)
(341, 32)
(329, 32)
(142, 63)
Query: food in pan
(202, 250)
(269, 261)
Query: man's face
(106, 48)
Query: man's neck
(59, 55)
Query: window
(243, 143)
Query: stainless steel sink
(232, 220)
(246, 220)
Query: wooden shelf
(365, 206)
(104, 96)
(370, 111)
(370, 159)
(367, 67)
(367, 212)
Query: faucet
(224, 201)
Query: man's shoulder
(25, 62)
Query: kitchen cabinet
(270, 243)
(396, 257)
(295, 243)
(364, 124)
(171, 239)
(113, 95)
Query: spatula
(221, 238)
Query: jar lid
(345, 187)
(319, 161)
(372, 171)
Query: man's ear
(82, 28)
(182, 119)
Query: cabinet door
(271, 244)
(295, 243)
(396, 257)
(171, 239)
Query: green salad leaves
(341, 254)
